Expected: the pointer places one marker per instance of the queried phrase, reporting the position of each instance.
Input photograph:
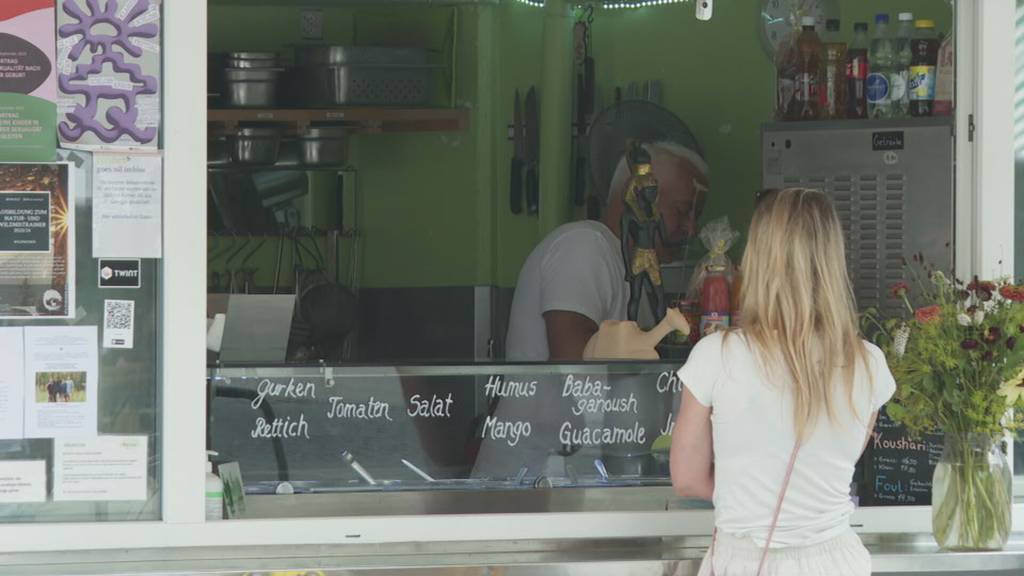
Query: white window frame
(984, 224)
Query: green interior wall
(434, 207)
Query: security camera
(704, 9)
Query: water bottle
(857, 73)
(898, 79)
(882, 60)
(925, 48)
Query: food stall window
(392, 248)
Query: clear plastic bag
(718, 237)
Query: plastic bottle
(899, 96)
(944, 72)
(833, 88)
(714, 301)
(925, 47)
(785, 77)
(806, 103)
(214, 491)
(857, 73)
(881, 60)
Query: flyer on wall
(28, 92)
(61, 381)
(37, 242)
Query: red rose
(988, 356)
(927, 314)
(969, 344)
(899, 289)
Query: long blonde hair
(796, 302)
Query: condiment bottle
(714, 301)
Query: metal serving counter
(902, 554)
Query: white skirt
(844, 555)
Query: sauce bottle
(714, 301)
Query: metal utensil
(345, 85)
(323, 145)
(416, 469)
(252, 87)
(532, 152)
(515, 189)
(349, 459)
(252, 145)
(601, 469)
(521, 475)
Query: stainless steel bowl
(255, 145)
(252, 87)
(324, 145)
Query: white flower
(900, 339)
(979, 317)
(988, 306)
(963, 319)
(939, 279)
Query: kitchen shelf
(371, 120)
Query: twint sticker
(120, 273)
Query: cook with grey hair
(575, 278)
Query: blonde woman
(776, 412)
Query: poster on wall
(37, 242)
(108, 60)
(61, 381)
(28, 87)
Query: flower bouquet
(959, 370)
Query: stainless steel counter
(904, 554)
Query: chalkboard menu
(495, 427)
(898, 467)
(400, 426)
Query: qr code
(118, 314)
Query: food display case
(447, 439)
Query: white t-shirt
(753, 439)
(577, 268)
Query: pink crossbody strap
(775, 516)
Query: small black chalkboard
(898, 467)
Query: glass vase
(971, 494)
